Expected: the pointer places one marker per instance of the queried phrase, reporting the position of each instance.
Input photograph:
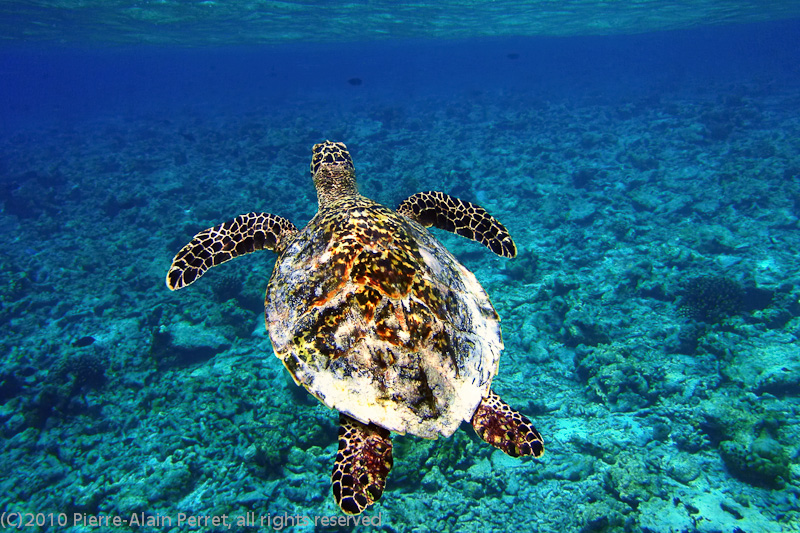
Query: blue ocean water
(648, 174)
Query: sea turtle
(377, 319)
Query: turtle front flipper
(362, 464)
(213, 246)
(506, 429)
(449, 213)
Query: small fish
(513, 55)
(355, 81)
(83, 342)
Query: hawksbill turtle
(377, 319)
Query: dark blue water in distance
(73, 82)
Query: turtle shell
(377, 319)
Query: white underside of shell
(458, 392)
(378, 381)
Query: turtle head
(333, 171)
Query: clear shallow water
(227, 22)
(625, 167)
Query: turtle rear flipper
(214, 246)
(506, 429)
(452, 214)
(362, 464)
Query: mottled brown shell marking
(377, 319)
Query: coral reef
(761, 462)
(711, 298)
(634, 206)
(82, 370)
